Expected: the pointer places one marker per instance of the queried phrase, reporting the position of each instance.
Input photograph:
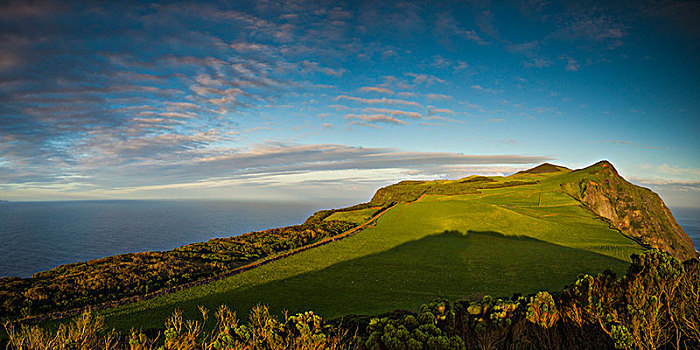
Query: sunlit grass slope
(356, 217)
(515, 239)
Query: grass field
(356, 217)
(501, 241)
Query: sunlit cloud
(392, 112)
(310, 66)
(425, 79)
(484, 89)
(376, 89)
(383, 100)
(432, 96)
(432, 110)
(446, 63)
(371, 118)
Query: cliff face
(637, 212)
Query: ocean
(689, 219)
(37, 236)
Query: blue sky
(323, 99)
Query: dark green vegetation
(655, 305)
(304, 331)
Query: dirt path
(240, 269)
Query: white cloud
(383, 100)
(392, 112)
(432, 110)
(428, 79)
(432, 96)
(372, 118)
(676, 172)
(377, 90)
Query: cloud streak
(383, 101)
(260, 161)
(372, 118)
(376, 89)
(392, 112)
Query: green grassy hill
(459, 238)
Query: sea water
(37, 236)
(689, 219)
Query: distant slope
(545, 168)
(636, 211)
(409, 191)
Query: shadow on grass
(450, 264)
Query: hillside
(637, 212)
(452, 238)
(545, 168)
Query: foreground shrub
(85, 332)
(263, 331)
(433, 328)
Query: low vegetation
(304, 331)
(655, 305)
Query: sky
(285, 100)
